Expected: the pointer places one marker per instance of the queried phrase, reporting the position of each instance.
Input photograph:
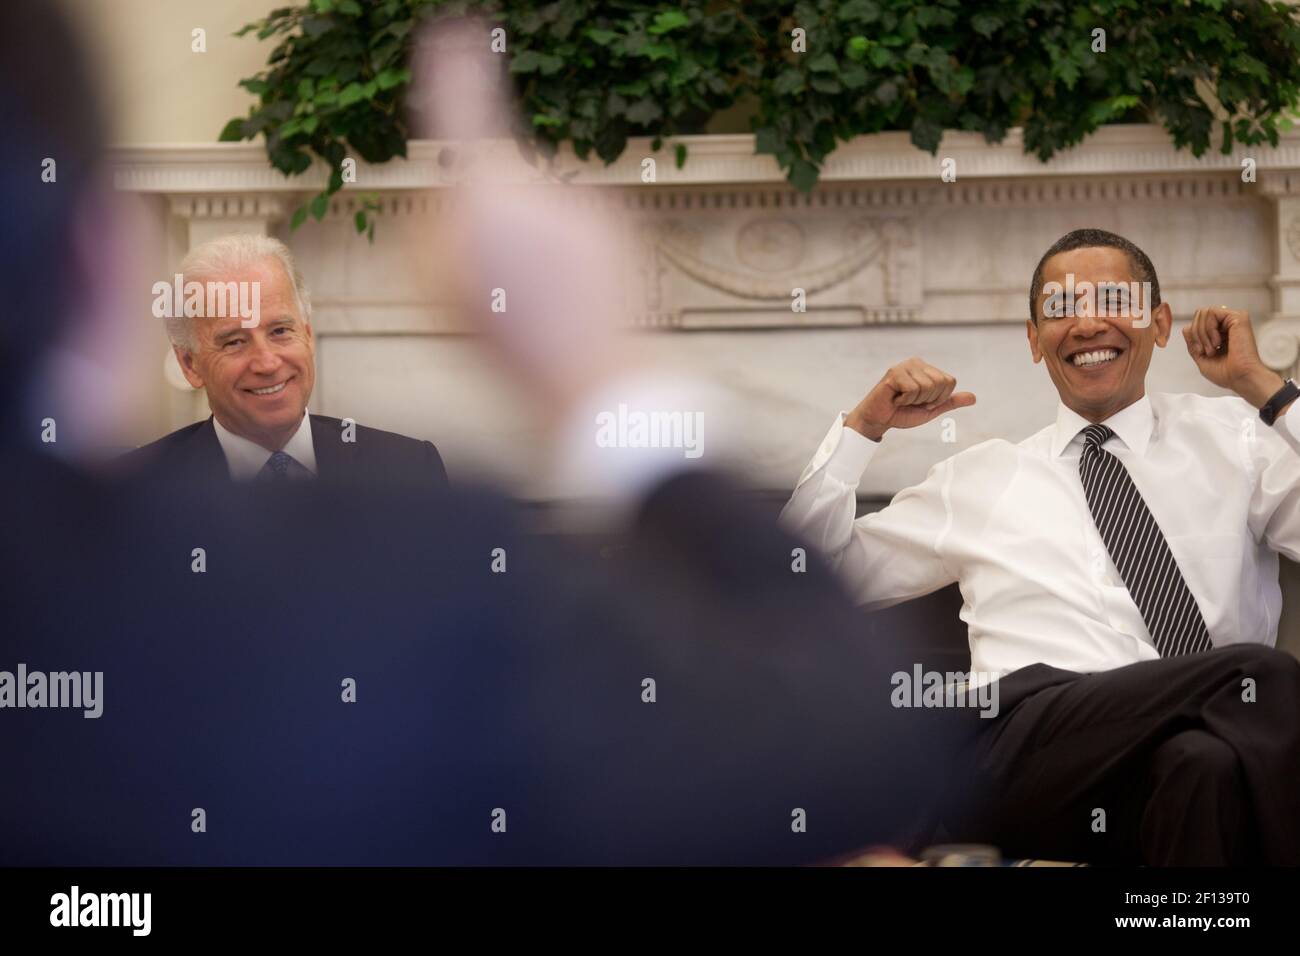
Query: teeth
(269, 391)
(1094, 358)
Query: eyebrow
(280, 320)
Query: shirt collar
(247, 458)
(1133, 426)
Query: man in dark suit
(343, 452)
(239, 319)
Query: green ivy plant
(593, 74)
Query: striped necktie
(1139, 550)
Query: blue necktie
(281, 467)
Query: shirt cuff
(1288, 426)
(843, 453)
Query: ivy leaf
(387, 79)
(352, 93)
(823, 63)
(644, 111)
(863, 11)
(319, 206)
(854, 76)
(926, 135)
(880, 56)
(668, 20)
(232, 131)
(635, 88)
(659, 51)
(789, 82)
(314, 27)
(766, 140)
(985, 24)
(803, 175)
(299, 217)
(1068, 71)
(531, 61)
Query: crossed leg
(1191, 760)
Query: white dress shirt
(247, 458)
(1010, 524)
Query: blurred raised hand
(537, 268)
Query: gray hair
(233, 253)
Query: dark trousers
(1191, 760)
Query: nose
(1088, 325)
(264, 360)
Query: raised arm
(893, 554)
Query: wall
(159, 90)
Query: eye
(233, 342)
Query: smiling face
(1096, 357)
(259, 379)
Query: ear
(1163, 319)
(311, 336)
(1034, 350)
(185, 358)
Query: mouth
(1094, 358)
(270, 389)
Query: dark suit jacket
(193, 454)
(476, 690)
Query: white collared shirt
(1010, 524)
(246, 458)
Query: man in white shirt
(1119, 573)
(253, 350)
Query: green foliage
(596, 73)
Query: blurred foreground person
(253, 676)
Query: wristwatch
(1284, 396)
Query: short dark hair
(1143, 270)
(49, 110)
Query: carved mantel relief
(740, 269)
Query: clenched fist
(910, 394)
(1222, 344)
